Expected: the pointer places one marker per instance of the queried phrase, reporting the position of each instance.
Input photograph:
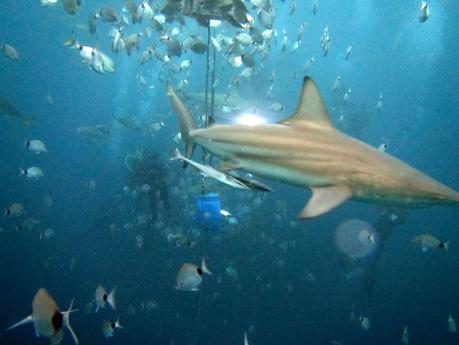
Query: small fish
(247, 72)
(405, 336)
(231, 271)
(92, 23)
(91, 184)
(216, 83)
(429, 242)
(32, 172)
(250, 182)
(179, 240)
(225, 213)
(108, 327)
(244, 38)
(293, 8)
(216, 44)
(452, 327)
(72, 6)
(295, 47)
(15, 210)
(109, 14)
(94, 132)
(248, 60)
(208, 171)
(189, 276)
(9, 110)
(365, 323)
(144, 11)
(185, 64)
(424, 12)
(48, 3)
(365, 237)
(36, 146)
(308, 64)
(347, 94)
(300, 31)
(336, 84)
(10, 52)
(348, 51)
(47, 319)
(284, 41)
(379, 105)
(101, 298)
(382, 147)
(315, 6)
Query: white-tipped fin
(246, 340)
(66, 316)
(118, 324)
(177, 155)
(204, 267)
(311, 107)
(27, 320)
(446, 246)
(111, 298)
(372, 238)
(325, 199)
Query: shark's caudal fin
(311, 107)
(186, 121)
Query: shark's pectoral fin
(325, 199)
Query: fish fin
(56, 339)
(177, 155)
(111, 298)
(204, 267)
(66, 316)
(446, 246)
(228, 166)
(118, 324)
(325, 199)
(186, 121)
(28, 319)
(311, 107)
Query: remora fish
(208, 171)
(305, 150)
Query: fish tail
(177, 155)
(204, 267)
(66, 316)
(111, 298)
(186, 122)
(118, 324)
(446, 246)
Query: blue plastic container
(208, 215)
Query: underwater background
(292, 285)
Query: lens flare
(355, 238)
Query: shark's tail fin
(186, 121)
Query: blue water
(294, 295)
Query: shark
(307, 151)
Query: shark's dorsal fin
(311, 107)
